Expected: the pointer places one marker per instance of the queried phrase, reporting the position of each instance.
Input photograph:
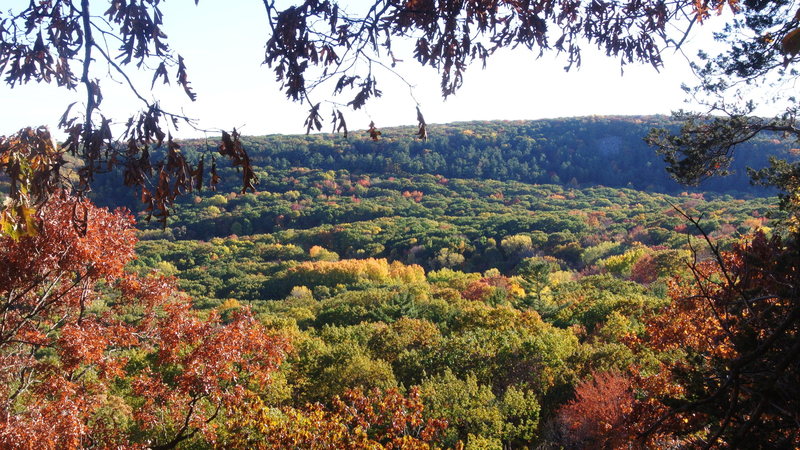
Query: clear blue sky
(223, 41)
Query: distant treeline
(584, 151)
(574, 152)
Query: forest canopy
(389, 306)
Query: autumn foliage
(729, 354)
(354, 421)
(597, 416)
(91, 354)
(729, 347)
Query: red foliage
(74, 325)
(645, 271)
(597, 417)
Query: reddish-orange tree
(93, 355)
(597, 415)
(732, 341)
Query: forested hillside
(439, 282)
(471, 225)
(587, 151)
(574, 152)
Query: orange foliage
(499, 286)
(413, 195)
(379, 420)
(737, 327)
(478, 290)
(754, 223)
(597, 416)
(66, 345)
(692, 321)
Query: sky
(223, 44)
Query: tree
(596, 417)
(91, 354)
(736, 330)
(356, 420)
(470, 408)
(535, 275)
(738, 318)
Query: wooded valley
(603, 282)
(412, 294)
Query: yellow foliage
(314, 251)
(230, 303)
(373, 269)
(166, 268)
(559, 277)
(515, 289)
(301, 292)
(622, 264)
